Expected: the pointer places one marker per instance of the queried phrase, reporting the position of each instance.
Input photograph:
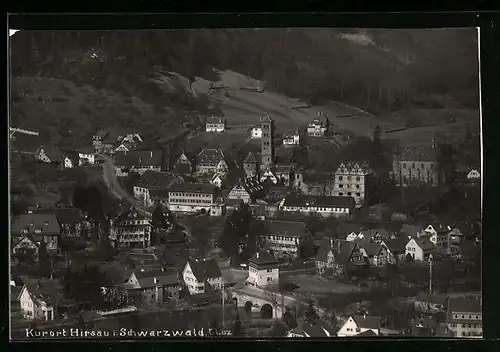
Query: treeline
(396, 69)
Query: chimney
(155, 280)
(257, 255)
(151, 154)
(364, 315)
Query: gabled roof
(210, 156)
(205, 269)
(193, 188)
(295, 200)
(251, 186)
(262, 258)
(147, 278)
(350, 166)
(370, 248)
(266, 118)
(410, 230)
(366, 333)
(128, 214)
(30, 238)
(250, 159)
(397, 245)
(346, 250)
(316, 330)
(384, 234)
(417, 153)
(158, 180)
(46, 222)
(324, 249)
(69, 215)
(464, 305)
(280, 228)
(367, 322)
(48, 291)
(215, 120)
(424, 243)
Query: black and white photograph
(294, 183)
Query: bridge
(269, 304)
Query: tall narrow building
(267, 142)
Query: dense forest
(376, 70)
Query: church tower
(267, 152)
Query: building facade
(131, 229)
(319, 127)
(215, 124)
(415, 166)
(191, 197)
(210, 161)
(465, 317)
(352, 180)
(263, 270)
(321, 205)
(199, 273)
(281, 237)
(152, 181)
(250, 166)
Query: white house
(474, 175)
(217, 180)
(86, 156)
(291, 139)
(360, 324)
(419, 248)
(215, 124)
(269, 174)
(321, 205)
(199, 273)
(153, 286)
(263, 270)
(353, 236)
(256, 132)
(39, 298)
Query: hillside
(162, 79)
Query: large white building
(215, 124)
(263, 270)
(319, 127)
(152, 181)
(256, 132)
(191, 197)
(197, 274)
(322, 205)
(363, 325)
(352, 180)
(131, 229)
(465, 317)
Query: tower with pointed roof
(267, 140)
(250, 166)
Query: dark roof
(384, 234)
(367, 333)
(164, 278)
(49, 291)
(210, 156)
(250, 159)
(46, 222)
(280, 228)
(417, 153)
(318, 201)
(266, 118)
(324, 249)
(158, 180)
(262, 258)
(159, 194)
(370, 248)
(464, 305)
(397, 245)
(216, 120)
(351, 165)
(25, 143)
(435, 299)
(88, 149)
(345, 228)
(53, 153)
(367, 322)
(283, 168)
(346, 249)
(315, 330)
(205, 269)
(69, 215)
(316, 177)
(410, 230)
(193, 188)
(251, 186)
(424, 243)
(139, 158)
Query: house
(151, 181)
(465, 317)
(71, 220)
(70, 159)
(281, 238)
(263, 270)
(128, 142)
(425, 302)
(397, 247)
(104, 140)
(270, 175)
(358, 324)
(200, 273)
(419, 248)
(349, 255)
(378, 235)
(353, 236)
(376, 253)
(353, 179)
(284, 174)
(131, 229)
(293, 139)
(41, 226)
(218, 209)
(414, 165)
(246, 190)
(319, 127)
(25, 250)
(325, 257)
(146, 160)
(250, 165)
(215, 124)
(474, 175)
(217, 180)
(51, 155)
(305, 330)
(86, 156)
(436, 232)
(153, 286)
(191, 197)
(321, 205)
(184, 164)
(39, 299)
(256, 132)
(210, 161)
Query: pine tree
(237, 329)
(311, 316)
(43, 259)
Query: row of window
(134, 222)
(335, 210)
(349, 178)
(219, 125)
(350, 194)
(191, 195)
(467, 326)
(190, 201)
(466, 316)
(413, 166)
(348, 186)
(281, 238)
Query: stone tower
(250, 166)
(267, 152)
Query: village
(248, 238)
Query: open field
(310, 284)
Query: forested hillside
(376, 70)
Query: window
(269, 270)
(357, 186)
(340, 178)
(269, 279)
(341, 194)
(348, 178)
(404, 166)
(358, 194)
(341, 186)
(348, 193)
(422, 166)
(413, 165)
